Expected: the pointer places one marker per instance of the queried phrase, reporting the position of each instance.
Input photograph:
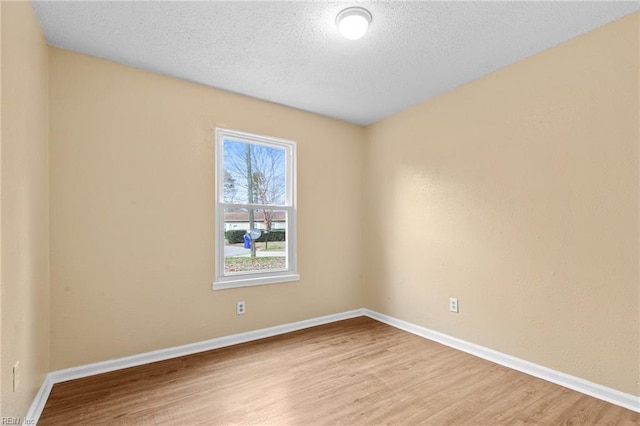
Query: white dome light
(353, 22)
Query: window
(255, 228)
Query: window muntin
(255, 189)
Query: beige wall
(1, 365)
(132, 185)
(25, 211)
(518, 194)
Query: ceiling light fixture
(353, 22)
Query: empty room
(319, 213)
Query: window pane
(255, 178)
(269, 248)
(254, 174)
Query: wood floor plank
(353, 372)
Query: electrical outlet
(16, 376)
(453, 304)
(240, 308)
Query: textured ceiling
(291, 52)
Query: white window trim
(258, 278)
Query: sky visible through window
(253, 174)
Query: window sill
(235, 282)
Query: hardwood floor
(353, 372)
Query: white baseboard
(177, 351)
(589, 388)
(595, 390)
(33, 415)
